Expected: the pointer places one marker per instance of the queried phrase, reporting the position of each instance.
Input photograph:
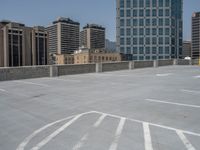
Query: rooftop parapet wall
(17, 73)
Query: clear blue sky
(43, 12)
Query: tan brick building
(85, 56)
(64, 59)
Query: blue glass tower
(150, 29)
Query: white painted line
(190, 91)
(197, 77)
(185, 141)
(163, 75)
(2, 90)
(99, 121)
(172, 103)
(80, 144)
(152, 124)
(65, 80)
(30, 137)
(84, 138)
(26, 82)
(117, 134)
(27, 140)
(147, 137)
(55, 133)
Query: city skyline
(78, 11)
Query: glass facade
(150, 29)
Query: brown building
(64, 59)
(196, 35)
(92, 37)
(21, 45)
(186, 49)
(85, 56)
(63, 36)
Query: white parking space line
(172, 103)
(99, 121)
(152, 124)
(55, 133)
(185, 141)
(190, 91)
(163, 75)
(65, 80)
(32, 83)
(117, 134)
(2, 90)
(197, 77)
(147, 137)
(84, 138)
(80, 144)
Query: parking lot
(141, 109)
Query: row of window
(147, 22)
(146, 13)
(144, 3)
(147, 41)
(145, 31)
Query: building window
(147, 40)
(154, 40)
(128, 41)
(141, 41)
(154, 50)
(154, 12)
(134, 13)
(167, 3)
(167, 40)
(160, 31)
(166, 31)
(122, 32)
(167, 22)
(128, 13)
(160, 40)
(166, 50)
(154, 3)
(134, 22)
(121, 13)
(167, 12)
(135, 41)
(141, 30)
(147, 31)
(141, 22)
(154, 22)
(141, 12)
(160, 50)
(134, 31)
(147, 22)
(128, 3)
(128, 22)
(141, 50)
(121, 3)
(141, 3)
(147, 12)
(134, 3)
(154, 31)
(147, 3)
(160, 3)
(134, 50)
(121, 22)
(147, 50)
(160, 12)
(128, 31)
(160, 22)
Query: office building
(85, 56)
(92, 37)
(63, 36)
(18, 45)
(39, 46)
(196, 35)
(186, 49)
(150, 29)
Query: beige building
(64, 59)
(63, 36)
(18, 45)
(85, 56)
(186, 49)
(92, 37)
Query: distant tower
(92, 36)
(150, 29)
(63, 36)
(196, 35)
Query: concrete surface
(143, 109)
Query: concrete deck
(144, 109)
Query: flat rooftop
(142, 109)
